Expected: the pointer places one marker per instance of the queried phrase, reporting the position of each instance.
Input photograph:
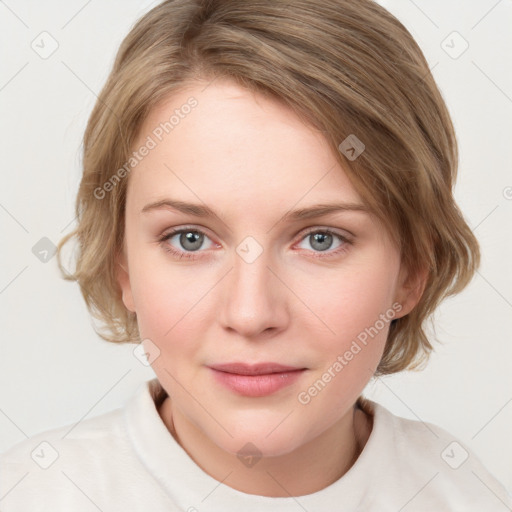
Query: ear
(123, 279)
(411, 286)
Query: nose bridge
(251, 275)
(253, 301)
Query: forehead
(220, 143)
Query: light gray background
(54, 369)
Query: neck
(308, 469)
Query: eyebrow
(200, 210)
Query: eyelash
(191, 255)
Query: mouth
(254, 369)
(256, 380)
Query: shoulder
(94, 464)
(68, 440)
(442, 470)
(51, 464)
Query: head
(253, 112)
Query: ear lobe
(123, 280)
(410, 289)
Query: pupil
(321, 238)
(191, 237)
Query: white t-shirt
(127, 460)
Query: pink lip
(256, 380)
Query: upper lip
(254, 369)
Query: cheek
(355, 307)
(354, 298)
(174, 307)
(163, 295)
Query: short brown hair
(348, 68)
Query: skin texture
(251, 160)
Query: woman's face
(252, 277)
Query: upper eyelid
(334, 231)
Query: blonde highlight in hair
(346, 68)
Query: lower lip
(257, 385)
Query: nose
(253, 302)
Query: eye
(188, 241)
(322, 239)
